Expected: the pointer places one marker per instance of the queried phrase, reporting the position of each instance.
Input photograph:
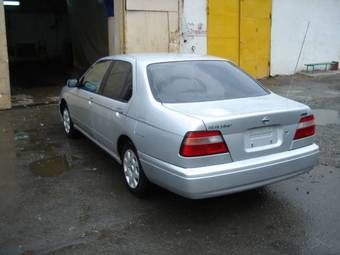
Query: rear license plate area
(261, 138)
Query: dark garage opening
(51, 41)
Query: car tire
(134, 176)
(69, 129)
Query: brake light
(305, 128)
(202, 143)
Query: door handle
(90, 100)
(119, 110)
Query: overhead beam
(152, 5)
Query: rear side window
(198, 81)
(118, 84)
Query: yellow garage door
(223, 29)
(255, 36)
(240, 31)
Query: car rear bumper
(216, 180)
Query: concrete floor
(60, 196)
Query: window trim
(103, 83)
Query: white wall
(289, 22)
(193, 26)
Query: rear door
(110, 105)
(81, 97)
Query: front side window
(94, 76)
(201, 80)
(118, 85)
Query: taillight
(201, 143)
(305, 128)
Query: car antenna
(298, 60)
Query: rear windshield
(198, 81)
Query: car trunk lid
(251, 127)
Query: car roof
(148, 58)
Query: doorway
(51, 41)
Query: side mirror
(72, 83)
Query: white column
(193, 26)
(5, 92)
(110, 33)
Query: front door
(79, 106)
(81, 102)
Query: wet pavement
(22, 97)
(61, 196)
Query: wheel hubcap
(131, 168)
(67, 121)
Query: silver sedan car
(197, 126)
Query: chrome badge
(265, 120)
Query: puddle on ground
(35, 141)
(21, 135)
(324, 116)
(50, 167)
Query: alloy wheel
(131, 168)
(66, 121)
